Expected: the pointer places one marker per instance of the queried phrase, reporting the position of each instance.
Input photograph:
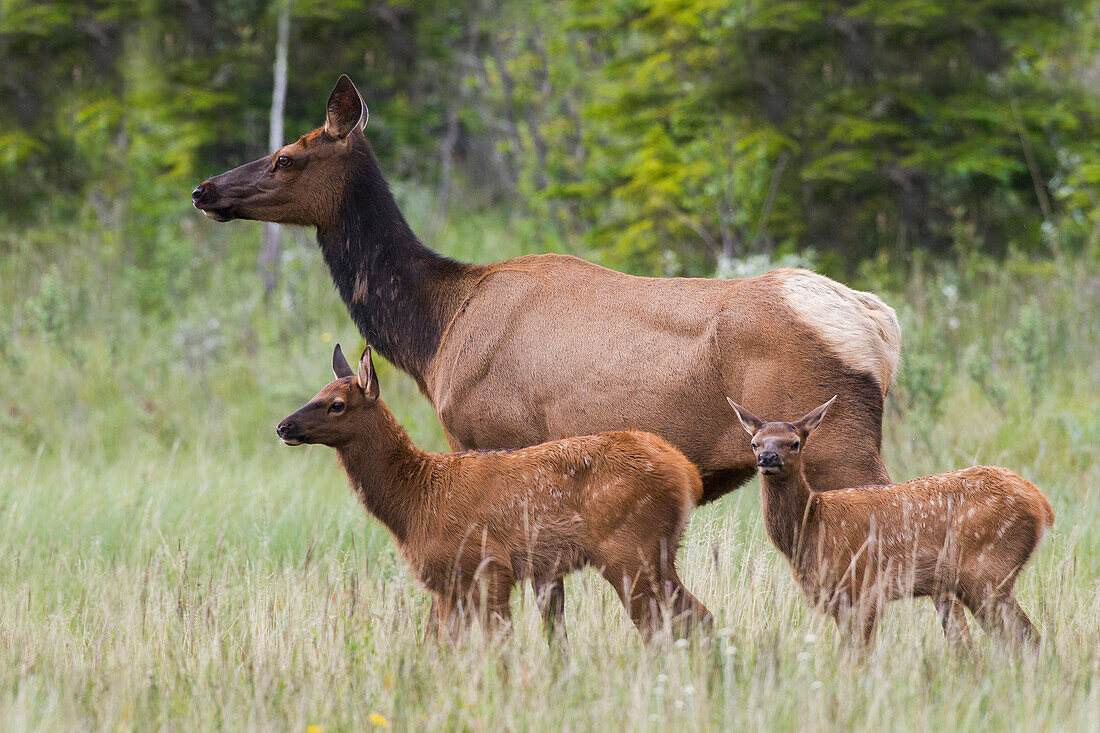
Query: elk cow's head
(301, 183)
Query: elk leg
(497, 616)
(449, 617)
(687, 611)
(869, 618)
(635, 590)
(487, 600)
(1002, 614)
(856, 621)
(431, 629)
(953, 617)
(550, 597)
(1017, 620)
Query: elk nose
(283, 428)
(768, 459)
(199, 192)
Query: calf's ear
(809, 422)
(340, 366)
(750, 422)
(368, 379)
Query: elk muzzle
(769, 462)
(289, 432)
(236, 194)
(205, 199)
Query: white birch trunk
(271, 250)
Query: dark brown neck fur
(387, 471)
(785, 499)
(400, 294)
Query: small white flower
(689, 690)
(809, 639)
(681, 644)
(662, 679)
(816, 685)
(679, 704)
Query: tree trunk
(446, 161)
(272, 249)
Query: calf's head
(301, 183)
(778, 445)
(341, 412)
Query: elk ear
(750, 422)
(368, 379)
(340, 366)
(345, 110)
(813, 418)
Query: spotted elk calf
(960, 538)
(473, 524)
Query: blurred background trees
(666, 136)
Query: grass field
(166, 562)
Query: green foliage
(725, 128)
(674, 135)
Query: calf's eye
(283, 161)
(337, 406)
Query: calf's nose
(283, 428)
(768, 459)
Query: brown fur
(960, 538)
(542, 347)
(473, 524)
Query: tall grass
(166, 562)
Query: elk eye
(283, 161)
(337, 406)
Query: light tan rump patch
(856, 326)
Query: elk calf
(960, 537)
(473, 524)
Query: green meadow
(165, 562)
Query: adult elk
(539, 347)
(472, 524)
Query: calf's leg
(647, 597)
(953, 617)
(431, 629)
(1001, 613)
(550, 597)
(856, 619)
(687, 611)
(635, 589)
